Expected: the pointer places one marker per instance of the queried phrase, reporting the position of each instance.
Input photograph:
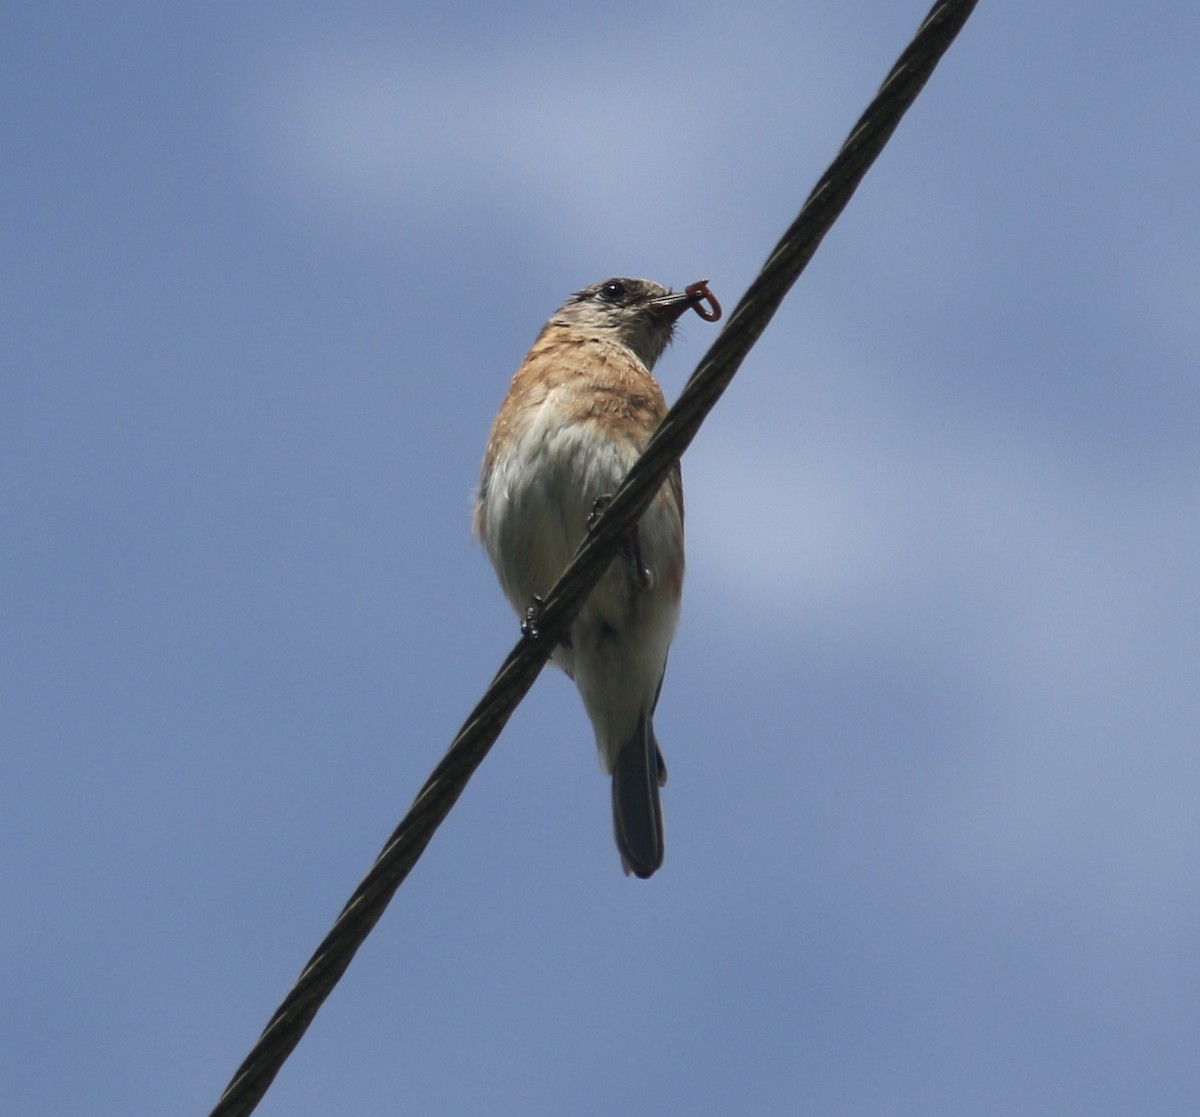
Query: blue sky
(932, 714)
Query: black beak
(673, 305)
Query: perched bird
(580, 410)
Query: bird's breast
(575, 420)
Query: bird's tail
(637, 812)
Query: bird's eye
(612, 290)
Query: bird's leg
(629, 548)
(642, 578)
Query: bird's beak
(673, 305)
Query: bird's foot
(598, 508)
(642, 577)
(629, 549)
(529, 623)
(529, 628)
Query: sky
(932, 712)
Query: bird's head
(637, 313)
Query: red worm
(701, 295)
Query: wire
(525, 662)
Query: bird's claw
(642, 577)
(529, 628)
(529, 623)
(629, 548)
(599, 505)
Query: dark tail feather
(637, 812)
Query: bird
(578, 413)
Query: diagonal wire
(525, 662)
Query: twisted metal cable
(525, 662)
